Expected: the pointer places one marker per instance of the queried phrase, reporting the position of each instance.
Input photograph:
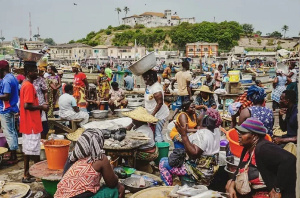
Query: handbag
(176, 158)
(242, 183)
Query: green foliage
(149, 30)
(270, 42)
(109, 27)
(139, 26)
(71, 41)
(259, 41)
(90, 35)
(279, 47)
(121, 27)
(275, 34)
(49, 41)
(258, 33)
(92, 43)
(165, 48)
(108, 32)
(259, 49)
(248, 29)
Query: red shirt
(79, 79)
(30, 121)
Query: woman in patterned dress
(279, 86)
(54, 83)
(103, 84)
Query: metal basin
(144, 64)
(120, 111)
(100, 113)
(28, 55)
(132, 184)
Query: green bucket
(163, 151)
(50, 186)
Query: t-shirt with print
(207, 141)
(182, 77)
(115, 95)
(150, 102)
(30, 121)
(79, 79)
(66, 103)
(294, 76)
(9, 85)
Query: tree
(118, 10)
(258, 33)
(2, 38)
(49, 41)
(126, 9)
(285, 28)
(248, 29)
(275, 34)
(71, 41)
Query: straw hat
(204, 88)
(77, 65)
(141, 114)
(3, 150)
(75, 135)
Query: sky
(64, 21)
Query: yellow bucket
(234, 76)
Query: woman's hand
(274, 194)
(121, 190)
(182, 130)
(231, 191)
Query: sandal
(10, 162)
(28, 180)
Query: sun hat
(60, 71)
(252, 125)
(279, 71)
(3, 150)
(167, 81)
(208, 73)
(204, 88)
(77, 65)
(141, 114)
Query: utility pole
(30, 31)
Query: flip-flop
(28, 180)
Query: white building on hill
(156, 19)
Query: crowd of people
(268, 167)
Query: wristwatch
(277, 190)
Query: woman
(103, 83)
(264, 114)
(210, 82)
(54, 84)
(167, 72)
(41, 88)
(154, 102)
(147, 152)
(279, 86)
(292, 78)
(84, 168)
(116, 97)
(271, 169)
(80, 87)
(202, 148)
(186, 117)
(204, 99)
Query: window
(111, 51)
(191, 50)
(118, 56)
(129, 56)
(79, 51)
(96, 51)
(206, 49)
(198, 50)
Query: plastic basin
(163, 151)
(233, 138)
(129, 171)
(57, 153)
(50, 186)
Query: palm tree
(126, 9)
(285, 28)
(118, 10)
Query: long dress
(53, 95)
(103, 86)
(280, 87)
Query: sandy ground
(15, 173)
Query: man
(68, 108)
(9, 97)
(289, 108)
(167, 72)
(109, 72)
(292, 78)
(217, 76)
(183, 79)
(30, 119)
(128, 82)
(210, 82)
(116, 97)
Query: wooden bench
(56, 122)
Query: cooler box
(234, 76)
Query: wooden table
(127, 151)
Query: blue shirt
(9, 85)
(129, 83)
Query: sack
(291, 147)
(176, 158)
(242, 183)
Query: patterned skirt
(147, 156)
(79, 95)
(277, 93)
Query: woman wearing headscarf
(84, 168)
(80, 86)
(264, 114)
(54, 84)
(202, 149)
(270, 169)
(279, 86)
(103, 84)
